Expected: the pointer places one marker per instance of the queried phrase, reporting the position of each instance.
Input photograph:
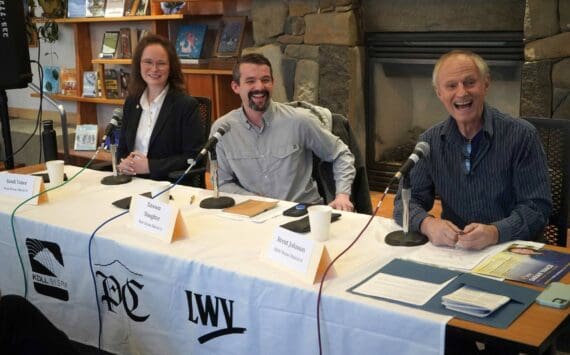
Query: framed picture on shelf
(190, 40)
(230, 36)
(109, 44)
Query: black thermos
(49, 141)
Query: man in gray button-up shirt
(269, 150)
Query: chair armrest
(195, 177)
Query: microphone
(211, 143)
(116, 121)
(420, 150)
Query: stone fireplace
(401, 103)
(318, 48)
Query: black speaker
(15, 70)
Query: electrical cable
(338, 257)
(13, 215)
(93, 278)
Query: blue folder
(520, 297)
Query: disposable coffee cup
(320, 222)
(158, 195)
(55, 171)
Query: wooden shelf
(120, 19)
(111, 61)
(94, 100)
(205, 71)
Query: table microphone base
(116, 179)
(410, 239)
(217, 202)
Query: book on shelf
(134, 38)
(94, 8)
(190, 40)
(526, 262)
(112, 87)
(68, 81)
(90, 84)
(109, 44)
(141, 33)
(142, 8)
(76, 8)
(51, 79)
(124, 78)
(124, 48)
(85, 137)
(131, 7)
(115, 8)
(127, 8)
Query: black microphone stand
(217, 201)
(405, 237)
(115, 179)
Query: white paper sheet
(400, 289)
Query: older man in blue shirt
(488, 168)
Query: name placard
(159, 219)
(298, 254)
(22, 187)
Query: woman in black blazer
(161, 126)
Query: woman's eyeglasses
(149, 63)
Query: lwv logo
(205, 309)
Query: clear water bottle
(49, 141)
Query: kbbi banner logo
(47, 267)
(208, 310)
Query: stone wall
(546, 72)
(314, 47)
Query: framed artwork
(230, 36)
(190, 40)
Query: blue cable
(29, 199)
(90, 254)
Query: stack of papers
(473, 302)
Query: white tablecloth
(208, 293)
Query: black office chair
(197, 176)
(323, 172)
(555, 136)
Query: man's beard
(253, 105)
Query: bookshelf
(209, 80)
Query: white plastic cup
(55, 171)
(163, 197)
(320, 222)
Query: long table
(211, 292)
